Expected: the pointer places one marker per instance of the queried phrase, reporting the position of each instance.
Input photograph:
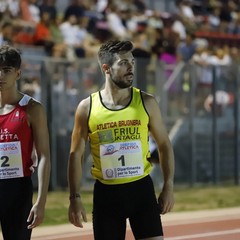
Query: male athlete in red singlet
(24, 140)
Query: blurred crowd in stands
(77, 31)
(206, 32)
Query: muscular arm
(160, 135)
(38, 121)
(78, 143)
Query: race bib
(121, 160)
(10, 160)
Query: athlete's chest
(13, 125)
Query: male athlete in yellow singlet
(117, 121)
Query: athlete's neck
(115, 98)
(9, 98)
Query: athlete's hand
(76, 212)
(166, 199)
(36, 215)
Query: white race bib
(121, 159)
(10, 160)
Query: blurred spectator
(202, 84)
(6, 33)
(102, 32)
(205, 61)
(77, 38)
(115, 23)
(73, 36)
(154, 21)
(90, 43)
(226, 15)
(76, 8)
(234, 26)
(166, 44)
(140, 5)
(168, 55)
(222, 60)
(50, 7)
(43, 37)
(101, 5)
(220, 57)
(235, 55)
(222, 98)
(185, 10)
(185, 51)
(29, 11)
(200, 7)
(214, 20)
(187, 48)
(142, 55)
(187, 15)
(179, 27)
(9, 9)
(55, 29)
(123, 5)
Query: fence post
(215, 159)
(236, 129)
(52, 130)
(192, 142)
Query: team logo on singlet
(105, 136)
(17, 117)
(110, 149)
(109, 173)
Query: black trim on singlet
(116, 109)
(143, 103)
(89, 112)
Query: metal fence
(200, 108)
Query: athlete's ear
(106, 68)
(19, 73)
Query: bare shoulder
(84, 106)
(152, 107)
(34, 106)
(85, 103)
(81, 118)
(149, 100)
(36, 113)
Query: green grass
(199, 198)
(57, 207)
(186, 199)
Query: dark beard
(121, 84)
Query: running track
(201, 225)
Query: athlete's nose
(130, 66)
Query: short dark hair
(10, 57)
(107, 52)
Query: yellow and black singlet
(119, 140)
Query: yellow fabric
(123, 136)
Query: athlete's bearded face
(121, 72)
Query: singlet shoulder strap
(25, 100)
